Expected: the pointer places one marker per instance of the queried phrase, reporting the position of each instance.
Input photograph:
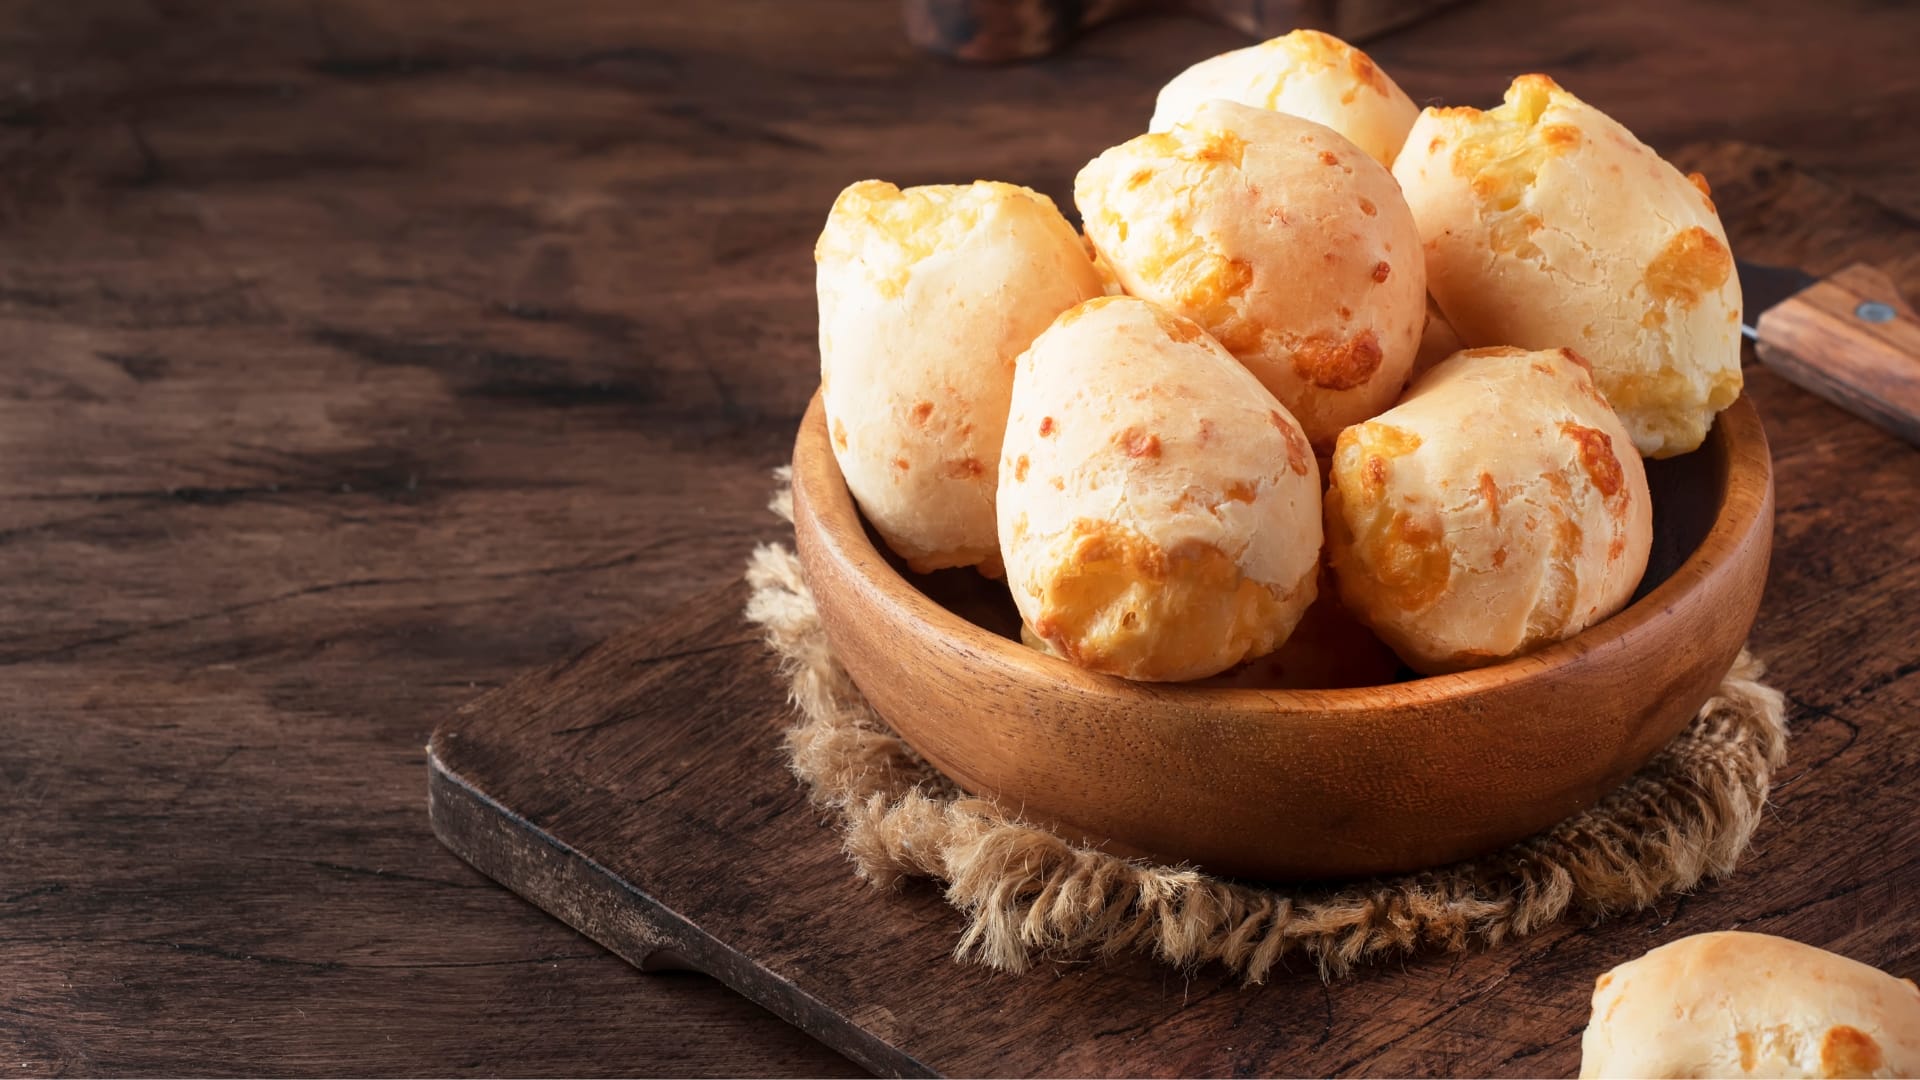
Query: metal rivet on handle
(1874, 311)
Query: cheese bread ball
(1548, 225)
(926, 297)
(1280, 238)
(1157, 505)
(1738, 1004)
(1308, 74)
(1498, 508)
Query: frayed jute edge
(1025, 893)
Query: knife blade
(1850, 338)
(1763, 287)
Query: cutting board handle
(1852, 339)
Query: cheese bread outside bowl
(1498, 508)
(1158, 509)
(926, 297)
(1753, 1005)
(1546, 224)
(1306, 73)
(1283, 240)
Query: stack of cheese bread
(1317, 351)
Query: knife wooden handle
(1852, 339)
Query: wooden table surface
(356, 355)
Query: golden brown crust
(1294, 251)
(1177, 533)
(1307, 74)
(1488, 513)
(1731, 1003)
(1548, 225)
(926, 297)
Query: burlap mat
(1025, 892)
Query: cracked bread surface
(1547, 225)
(1283, 240)
(1158, 509)
(1732, 1003)
(1306, 73)
(926, 296)
(1496, 509)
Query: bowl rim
(1745, 495)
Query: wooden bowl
(1299, 784)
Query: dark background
(356, 355)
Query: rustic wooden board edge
(538, 867)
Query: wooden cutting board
(637, 792)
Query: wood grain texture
(1303, 784)
(996, 31)
(1824, 341)
(359, 354)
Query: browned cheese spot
(1240, 336)
(1499, 557)
(965, 469)
(1337, 365)
(1345, 311)
(1381, 271)
(900, 463)
(1139, 444)
(1206, 431)
(1139, 178)
(1328, 157)
(1392, 441)
(1221, 146)
(1616, 549)
(1848, 1051)
(1059, 484)
(1241, 492)
(1207, 295)
(1373, 476)
(1596, 457)
(1365, 72)
(1748, 1052)
(1020, 467)
(839, 434)
(1490, 494)
(1692, 264)
(1435, 146)
(921, 411)
(1046, 426)
(1298, 452)
(1411, 560)
(1085, 307)
(1706, 192)
(1184, 331)
(1560, 138)
(1367, 207)
(1580, 361)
